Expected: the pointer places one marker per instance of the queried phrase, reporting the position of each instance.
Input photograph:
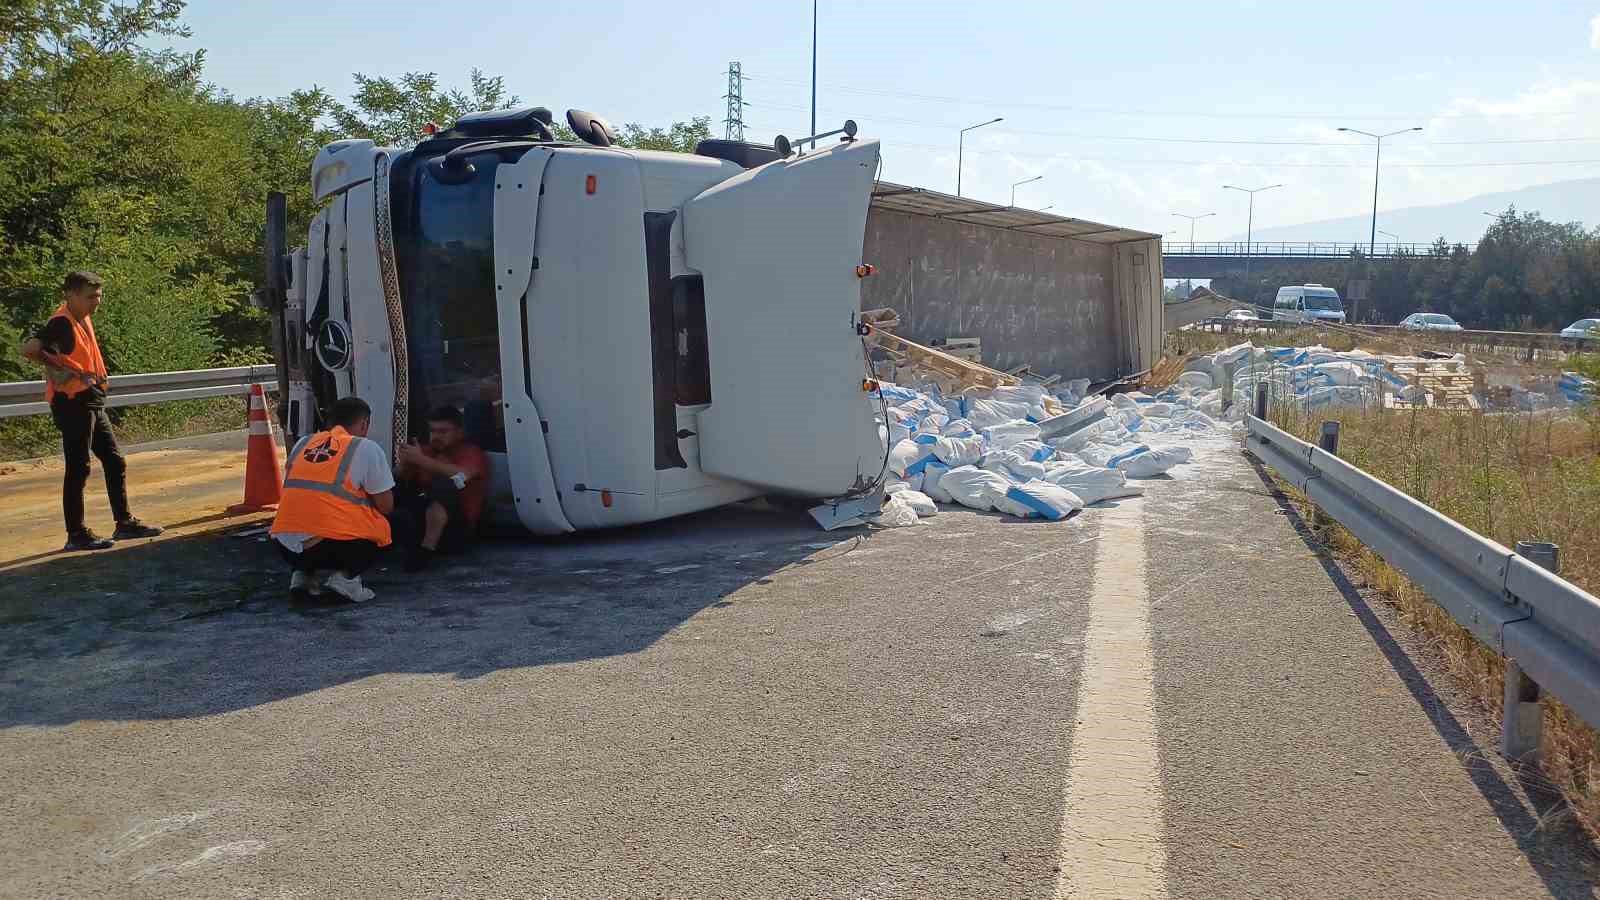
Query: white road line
(1111, 827)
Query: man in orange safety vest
(337, 490)
(75, 388)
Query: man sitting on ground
(446, 482)
(337, 489)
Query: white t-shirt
(368, 471)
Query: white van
(1308, 303)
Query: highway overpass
(1209, 260)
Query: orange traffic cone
(263, 475)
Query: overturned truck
(632, 335)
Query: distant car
(1308, 304)
(1430, 322)
(1242, 315)
(1581, 330)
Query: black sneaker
(133, 528)
(86, 540)
(418, 559)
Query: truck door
(516, 223)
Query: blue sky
(1125, 108)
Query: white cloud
(1594, 32)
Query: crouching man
(443, 490)
(331, 521)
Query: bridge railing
(1297, 249)
(1547, 628)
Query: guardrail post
(1329, 441)
(1522, 720)
(1261, 400)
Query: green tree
(391, 112)
(82, 168)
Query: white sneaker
(349, 588)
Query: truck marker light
(429, 129)
(605, 496)
(588, 184)
(865, 269)
(868, 385)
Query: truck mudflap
(778, 247)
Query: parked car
(1242, 315)
(1582, 331)
(1430, 322)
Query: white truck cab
(1308, 303)
(630, 334)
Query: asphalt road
(1173, 696)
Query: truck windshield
(444, 253)
(1323, 301)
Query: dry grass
(1509, 477)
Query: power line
(1244, 164)
(1173, 140)
(936, 98)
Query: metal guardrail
(1546, 627)
(1301, 249)
(25, 398)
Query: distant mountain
(1464, 222)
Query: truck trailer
(631, 334)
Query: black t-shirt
(57, 336)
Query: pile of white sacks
(999, 450)
(1312, 377)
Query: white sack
(896, 513)
(1105, 455)
(1012, 465)
(1038, 451)
(1152, 462)
(931, 477)
(1039, 500)
(906, 454)
(973, 487)
(920, 502)
(1007, 433)
(1028, 394)
(958, 451)
(984, 412)
(1345, 373)
(1196, 381)
(1092, 484)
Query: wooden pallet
(954, 374)
(1448, 384)
(969, 349)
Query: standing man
(447, 482)
(337, 490)
(75, 388)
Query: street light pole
(1191, 223)
(1377, 158)
(813, 71)
(1250, 224)
(961, 146)
(1023, 181)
